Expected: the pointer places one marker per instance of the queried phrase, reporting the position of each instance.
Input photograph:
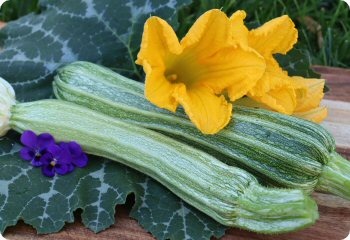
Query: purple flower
(56, 160)
(78, 157)
(42, 151)
(35, 146)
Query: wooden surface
(334, 222)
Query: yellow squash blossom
(195, 72)
(309, 93)
(276, 89)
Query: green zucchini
(282, 150)
(230, 195)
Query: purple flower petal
(80, 161)
(75, 149)
(78, 157)
(63, 145)
(48, 170)
(46, 159)
(44, 140)
(65, 157)
(61, 169)
(70, 168)
(36, 162)
(54, 149)
(29, 139)
(27, 154)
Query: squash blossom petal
(316, 115)
(276, 36)
(276, 90)
(309, 92)
(195, 72)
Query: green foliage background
(327, 21)
(13, 9)
(332, 17)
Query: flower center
(37, 154)
(183, 68)
(172, 77)
(53, 162)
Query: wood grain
(338, 81)
(338, 121)
(334, 222)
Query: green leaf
(13, 9)
(167, 217)
(47, 204)
(107, 32)
(297, 62)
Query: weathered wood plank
(338, 80)
(338, 121)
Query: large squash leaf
(107, 32)
(101, 31)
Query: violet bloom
(35, 146)
(78, 157)
(56, 160)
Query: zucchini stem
(268, 210)
(335, 177)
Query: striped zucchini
(230, 195)
(282, 150)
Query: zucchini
(230, 195)
(282, 150)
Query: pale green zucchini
(283, 150)
(228, 194)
